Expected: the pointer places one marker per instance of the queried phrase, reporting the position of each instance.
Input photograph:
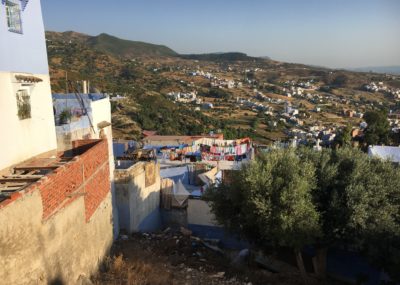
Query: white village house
(25, 98)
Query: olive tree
(322, 198)
(358, 200)
(270, 201)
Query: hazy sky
(334, 33)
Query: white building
(89, 118)
(26, 117)
(391, 153)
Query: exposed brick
(87, 174)
(96, 189)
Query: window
(13, 12)
(23, 104)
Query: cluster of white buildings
(215, 81)
(307, 85)
(260, 96)
(224, 83)
(380, 87)
(291, 115)
(293, 91)
(316, 134)
(201, 73)
(184, 97)
(394, 121)
(253, 105)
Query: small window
(23, 104)
(13, 12)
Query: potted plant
(65, 116)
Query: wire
(82, 103)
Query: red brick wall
(86, 175)
(60, 185)
(96, 190)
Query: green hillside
(128, 49)
(113, 45)
(146, 106)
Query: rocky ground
(179, 258)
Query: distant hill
(379, 69)
(113, 45)
(227, 56)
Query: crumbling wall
(138, 196)
(61, 227)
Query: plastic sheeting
(180, 193)
(173, 195)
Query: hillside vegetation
(248, 94)
(113, 45)
(72, 54)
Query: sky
(331, 33)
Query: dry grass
(118, 270)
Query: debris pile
(178, 257)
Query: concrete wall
(23, 139)
(62, 248)
(98, 111)
(24, 52)
(138, 205)
(60, 227)
(199, 213)
(202, 223)
(65, 138)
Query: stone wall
(60, 227)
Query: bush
(65, 116)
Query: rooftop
(72, 96)
(391, 153)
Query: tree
(270, 201)
(343, 138)
(378, 129)
(254, 124)
(358, 199)
(340, 80)
(322, 198)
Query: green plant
(65, 116)
(24, 105)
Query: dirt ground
(174, 258)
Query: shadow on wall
(51, 262)
(57, 281)
(137, 192)
(137, 214)
(152, 222)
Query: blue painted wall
(24, 52)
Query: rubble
(178, 257)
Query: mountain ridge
(130, 49)
(113, 45)
(391, 69)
